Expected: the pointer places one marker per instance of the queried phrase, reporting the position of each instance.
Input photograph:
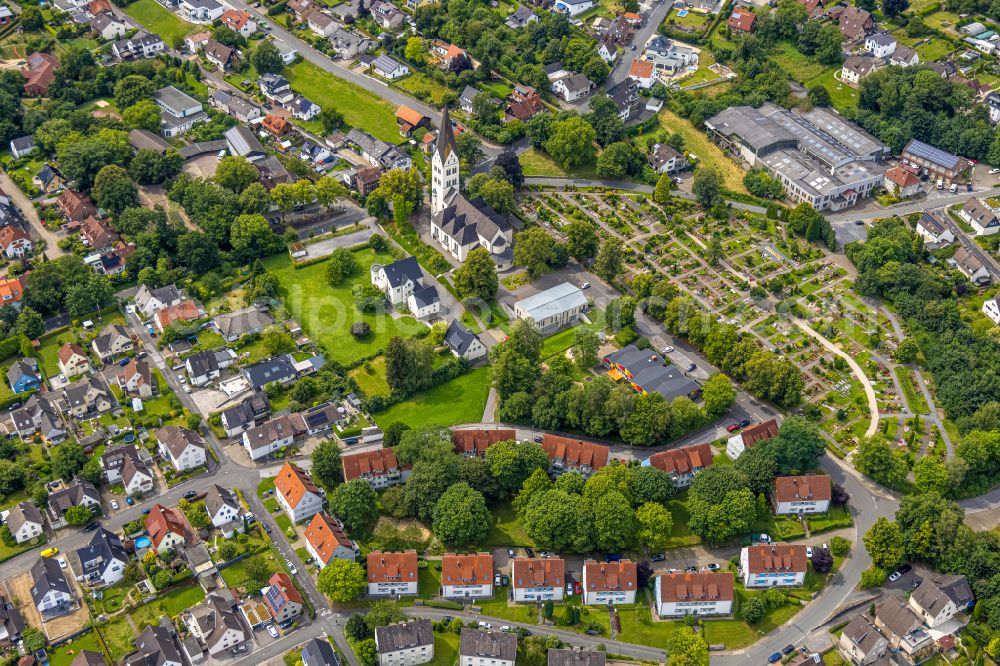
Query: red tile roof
(477, 441)
(641, 69)
(620, 576)
(12, 288)
(368, 463)
(183, 311)
(324, 534)
(798, 488)
(682, 460)
(284, 583)
(742, 20)
(162, 521)
(539, 572)
(392, 567)
(776, 557)
(467, 569)
(759, 432)
(702, 586)
(292, 484)
(575, 452)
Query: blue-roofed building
(280, 369)
(303, 109)
(23, 376)
(935, 162)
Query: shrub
(872, 577)
(840, 546)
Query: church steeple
(445, 178)
(446, 136)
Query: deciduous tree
(342, 581)
(460, 517)
(477, 276)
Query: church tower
(444, 166)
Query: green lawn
(326, 313)
(445, 649)
(697, 142)
(506, 529)
(842, 95)
(371, 377)
(417, 82)
(796, 64)
(680, 534)
(360, 108)
(61, 656)
(118, 635)
(168, 605)
(265, 485)
(461, 400)
(48, 352)
(156, 19)
(914, 397)
(537, 163)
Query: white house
(25, 522)
(571, 87)
(73, 360)
(880, 44)
(321, 24)
(643, 73)
(215, 624)
(991, 308)
(282, 598)
(609, 582)
(185, 449)
(223, 507)
(389, 68)
(774, 565)
(268, 437)
(740, 442)
(553, 308)
(398, 280)
(405, 643)
(933, 229)
(326, 541)
(392, 573)
(695, 593)
(487, 648)
(969, 264)
(682, 464)
(467, 576)
(982, 218)
(296, 493)
(802, 494)
(572, 7)
(462, 342)
(940, 597)
(537, 579)
(136, 476)
(424, 303)
(50, 591)
(148, 301)
(378, 467)
(201, 11)
(102, 561)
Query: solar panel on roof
(928, 152)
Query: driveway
(21, 200)
(325, 247)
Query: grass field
(445, 649)
(914, 397)
(842, 95)
(371, 377)
(360, 108)
(709, 154)
(326, 313)
(169, 605)
(461, 400)
(118, 635)
(797, 65)
(154, 17)
(536, 163)
(61, 656)
(507, 529)
(418, 81)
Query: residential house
(237, 107)
(136, 379)
(940, 598)
(88, 397)
(148, 301)
(378, 152)
(216, 625)
(367, 179)
(11, 292)
(477, 647)
(102, 561)
(573, 455)
(857, 67)
(128, 466)
(280, 369)
(79, 493)
(553, 308)
(25, 522)
(98, 234)
(389, 68)
(184, 311)
(861, 641)
(774, 565)
(88, 658)
(408, 643)
(297, 494)
(609, 583)
(643, 73)
(73, 360)
(904, 630)
(218, 54)
(392, 573)
(234, 325)
(300, 9)
(386, 15)
(378, 467)
(196, 42)
(39, 73)
(319, 652)
(902, 182)
(409, 120)
(75, 207)
(156, 646)
(695, 593)
(625, 95)
(23, 375)
(327, 541)
(107, 26)
(141, 45)
(802, 494)
(983, 219)
(467, 576)
(270, 436)
(50, 591)
(904, 56)
(168, 528)
(742, 441)
(201, 11)
(447, 55)
(682, 464)
(15, 241)
(223, 507)
(669, 57)
(647, 372)
(185, 449)
(321, 24)
(207, 365)
(179, 112)
(969, 264)
(855, 23)
(252, 411)
(521, 17)
(991, 308)
(572, 7)
(934, 161)
(666, 159)
(41, 415)
(398, 280)
(880, 44)
(935, 231)
(473, 443)
(576, 657)
(275, 88)
(463, 342)
(537, 579)
(240, 21)
(12, 624)
(111, 342)
(320, 418)
(22, 146)
(468, 95)
(283, 600)
(742, 21)
(524, 103)
(348, 44)
(48, 180)
(424, 303)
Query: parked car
(546, 553)
(732, 427)
(505, 580)
(485, 625)
(114, 505)
(612, 557)
(906, 568)
(145, 512)
(537, 439)
(50, 552)
(809, 552)
(123, 362)
(569, 589)
(271, 630)
(496, 579)
(774, 658)
(191, 494)
(291, 567)
(745, 422)
(894, 576)
(692, 367)
(788, 649)
(62, 562)
(994, 171)
(712, 567)
(129, 500)
(529, 552)
(585, 285)
(691, 569)
(668, 349)
(92, 526)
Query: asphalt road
(651, 22)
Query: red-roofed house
(274, 125)
(702, 593)
(392, 573)
(802, 494)
(901, 181)
(183, 311)
(296, 493)
(379, 468)
(537, 579)
(742, 21)
(40, 73)
(167, 528)
(470, 443)
(740, 442)
(774, 565)
(75, 207)
(15, 241)
(98, 234)
(467, 576)
(683, 463)
(240, 21)
(11, 291)
(610, 582)
(282, 599)
(73, 360)
(409, 120)
(575, 455)
(446, 53)
(326, 541)
(643, 73)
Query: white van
(953, 188)
(940, 184)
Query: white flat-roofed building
(553, 308)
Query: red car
(733, 427)
(578, 588)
